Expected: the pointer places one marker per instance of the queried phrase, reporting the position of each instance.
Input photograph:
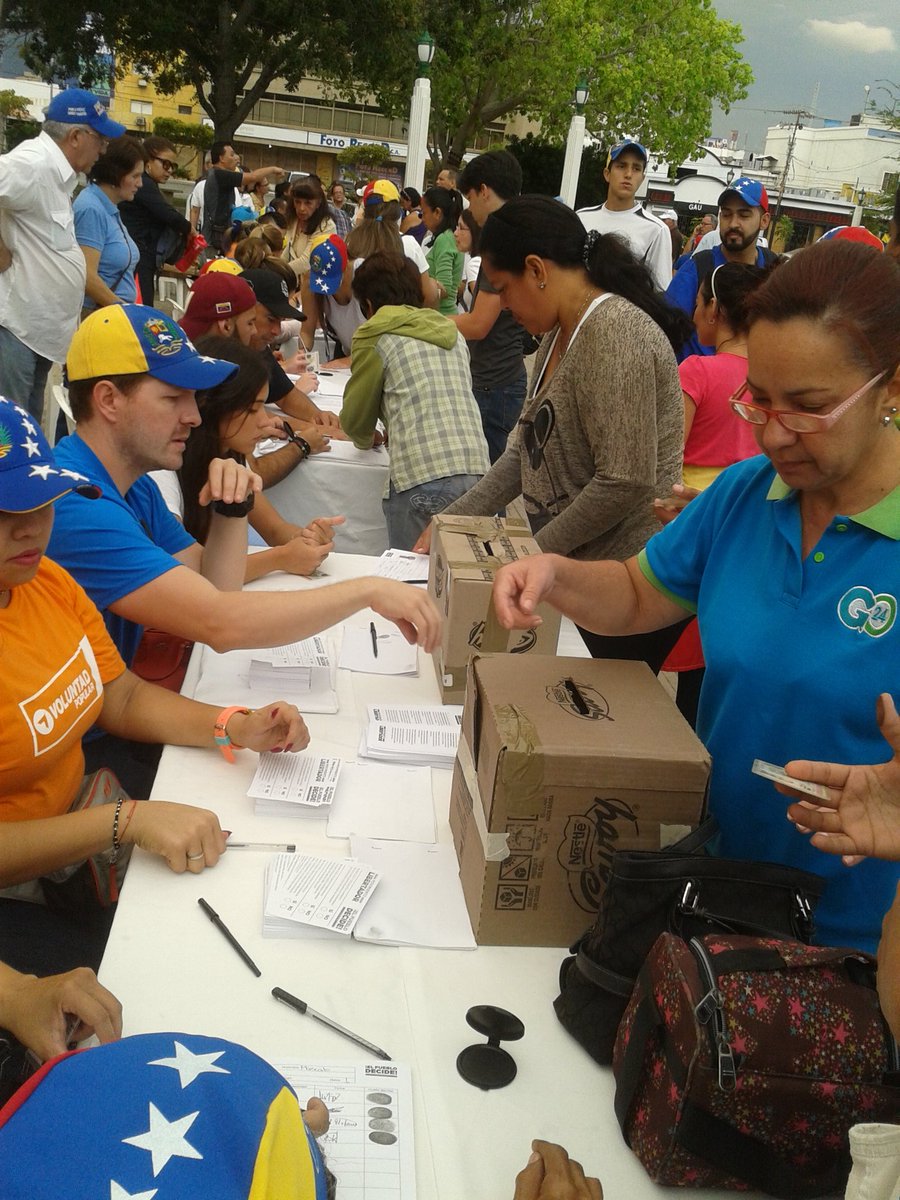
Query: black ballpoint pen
(301, 1006)
(374, 634)
(223, 928)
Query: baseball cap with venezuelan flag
(132, 339)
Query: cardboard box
(561, 762)
(466, 553)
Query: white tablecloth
(174, 971)
(343, 481)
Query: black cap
(272, 291)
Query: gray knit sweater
(615, 444)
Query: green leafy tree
(542, 167)
(655, 69)
(228, 51)
(15, 106)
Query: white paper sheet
(295, 779)
(403, 565)
(420, 898)
(328, 893)
(419, 735)
(369, 1145)
(377, 800)
(395, 655)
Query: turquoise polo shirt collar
(103, 200)
(883, 517)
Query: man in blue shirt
(743, 215)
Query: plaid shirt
(343, 223)
(411, 369)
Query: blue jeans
(23, 374)
(500, 408)
(409, 513)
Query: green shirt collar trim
(883, 517)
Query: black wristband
(241, 509)
(295, 439)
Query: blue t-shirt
(682, 292)
(116, 544)
(99, 226)
(797, 652)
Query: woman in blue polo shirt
(791, 563)
(110, 254)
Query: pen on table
(374, 639)
(223, 928)
(276, 847)
(301, 1006)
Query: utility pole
(798, 114)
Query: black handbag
(684, 891)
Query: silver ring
(194, 857)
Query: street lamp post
(574, 146)
(419, 116)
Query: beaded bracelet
(117, 845)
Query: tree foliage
(655, 68)
(542, 167)
(228, 51)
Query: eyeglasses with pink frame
(796, 422)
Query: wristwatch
(301, 443)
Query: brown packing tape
(495, 638)
(520, 769)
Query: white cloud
(854, 35)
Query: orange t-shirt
(55, 657)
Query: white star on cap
(320, 281)
(67, 474)
(190, 1065)
(32, 429)
(31, 446)
(43, 470)
(117, 1192)
(165, 1139)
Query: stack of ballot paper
(303, 670)
(403, 565)
(294, 784)
(419, 735)
(305, 894)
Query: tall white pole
(417, 143)
(572, 164)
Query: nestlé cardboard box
(466, 553)
(561, 762)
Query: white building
(840, 160)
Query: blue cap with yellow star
(29, 477)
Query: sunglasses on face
(165, 163)
(536, 433)
(796, 422)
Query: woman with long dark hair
(308, 220)
(233, 420)
(441, 209)
(602, 431)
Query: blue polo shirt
(99, 226)
(797, 651)
(116, 544)
(682, 292)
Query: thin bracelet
(128, 821)
(117, 845)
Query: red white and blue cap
(626, 144)
(751, 191)
(853, 233)
(29, 476)
(132, 339)
(75, 106)
(327, 262)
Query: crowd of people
(709, 461)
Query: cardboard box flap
(589, 722)
(487, 527)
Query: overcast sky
(794, 44)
